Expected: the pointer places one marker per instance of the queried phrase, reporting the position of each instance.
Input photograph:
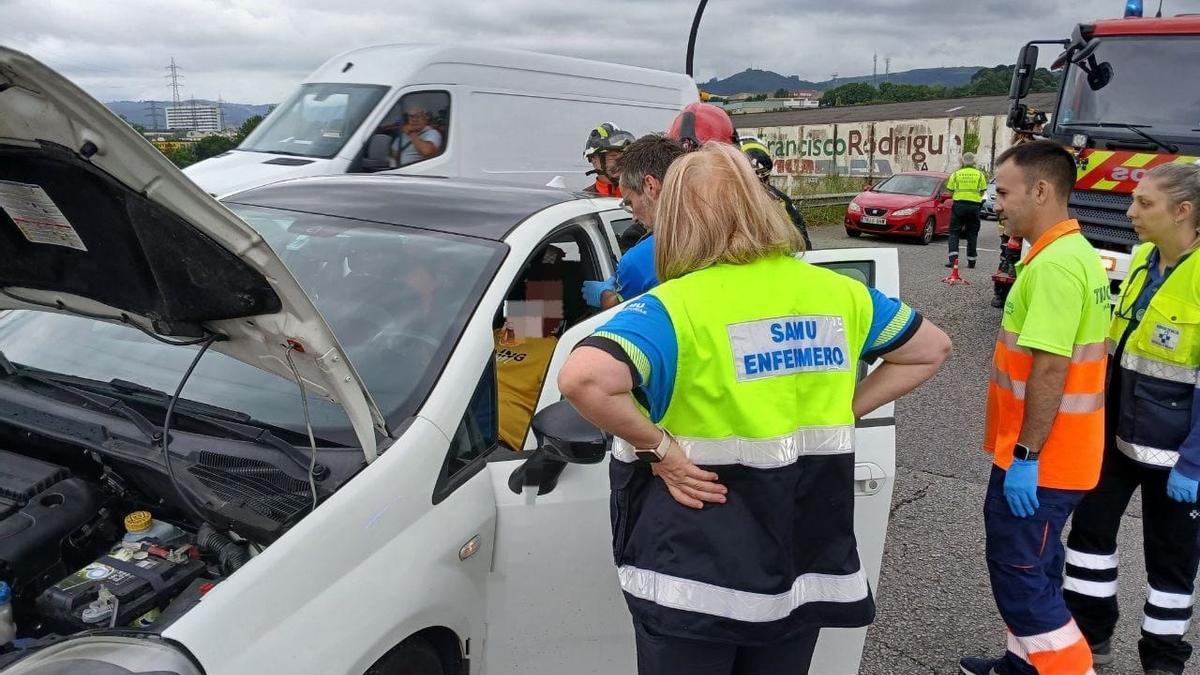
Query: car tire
(855, 234)
(928, 231)
(414, 656)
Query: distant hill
(137, 112)
(759, 81)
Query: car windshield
(907, 184)
(1145, 88)
(396, 298)
(316, 121)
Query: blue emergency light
(1133, 8)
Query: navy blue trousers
(1025, 559)
(662, 655)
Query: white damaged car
(291, 432)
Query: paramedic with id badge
(733, 407)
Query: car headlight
(107, 653)
(855, 208)
(906, 212)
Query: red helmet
(700, 122)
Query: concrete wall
(879, 149)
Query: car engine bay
(96, 540)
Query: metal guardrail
(832, 199)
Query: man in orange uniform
(1045, 413)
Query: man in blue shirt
(642, 167)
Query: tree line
(987, 82)
(210, 146)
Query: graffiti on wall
(881, 148)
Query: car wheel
(853, 233)
(927, 232)
(414, 656)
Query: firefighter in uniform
(603, 149)
(738, 574)
(760, 159)
(968, 185)
(1154, 426)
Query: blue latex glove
(592, 290)
(1181, 488)
(1020, 487)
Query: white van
(484, 113)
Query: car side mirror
(1023, 73)
(946, 196)
(565, 435)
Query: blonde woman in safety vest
(1154, 431)
(733, 465)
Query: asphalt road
(935, 603)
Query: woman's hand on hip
(688, 484)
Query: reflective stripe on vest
(1080, 404)
(1146, 454)
(759, 453)
(694, 596)
(1152, 367)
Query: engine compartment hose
(230, 554)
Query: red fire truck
(1129, 101)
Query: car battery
(126, 584)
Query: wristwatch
(1023, 452)
(655, 454)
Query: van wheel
(414, 656)
(927, 233)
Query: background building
(203, 118)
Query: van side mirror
(377, 154)
(565, 435)
(1023, 73)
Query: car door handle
(868, 479)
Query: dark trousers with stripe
(1025, 565)
(964, 221)
(1169, 531)
(664, 655)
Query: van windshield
(316, 121)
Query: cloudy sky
(254, 51)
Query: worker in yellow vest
(768, 347)
(1154, 432)
(968, 185)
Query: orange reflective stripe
(1081, 404)
(1062, 652)
(1097, 351)
(1009, 339)
(1007, 383)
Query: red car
(910, 204)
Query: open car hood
(95, 220)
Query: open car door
(554, 604)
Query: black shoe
(951, 263)
(973, 665)
(1102, 653)
(970, 263)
